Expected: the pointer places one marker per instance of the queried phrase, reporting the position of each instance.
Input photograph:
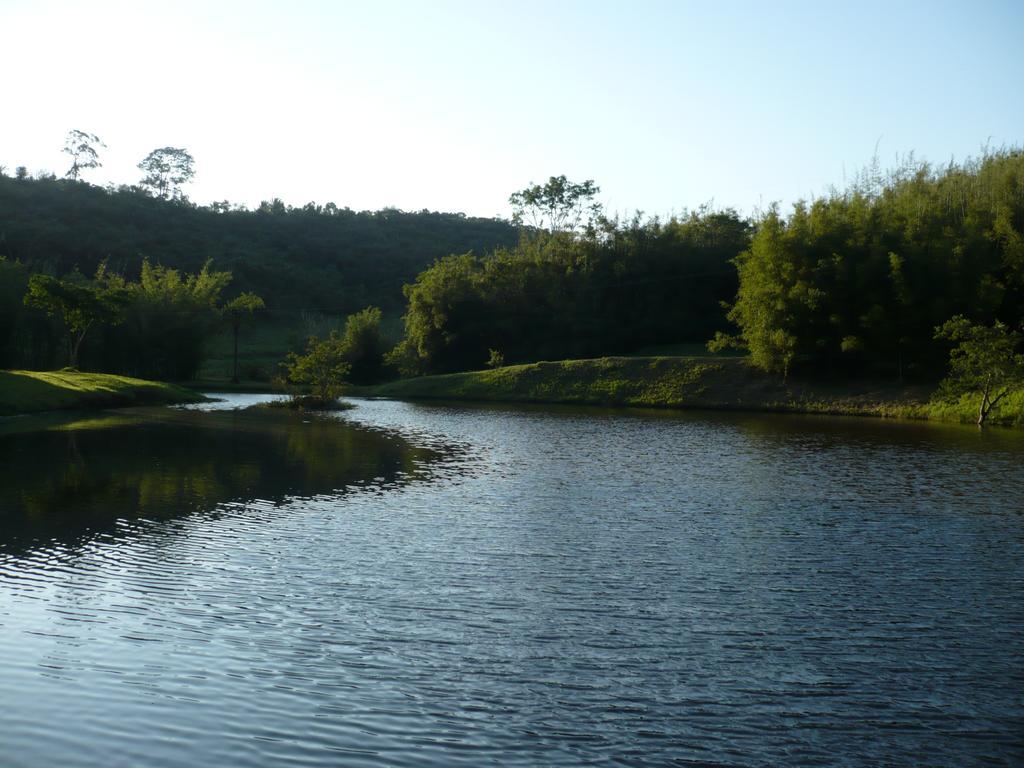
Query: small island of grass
(36, 391)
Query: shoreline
(688, 383)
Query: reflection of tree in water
(61, 485)
(320, 449)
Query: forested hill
(315, 258)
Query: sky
(450, 105)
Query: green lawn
(35, 391)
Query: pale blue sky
(453, 105)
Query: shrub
(323, 368)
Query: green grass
(687, 382)
(683, 349)
(1009, 412)
(261, 346)
(36, 391)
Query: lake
(442, 585)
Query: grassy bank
(685, 382)
(35, 391)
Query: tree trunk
(75, 345)
(985, 406)
(234, 368)
(990, 405)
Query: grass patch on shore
(1009, 412)
(688, 382)
(36, 391)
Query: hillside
(315, 259)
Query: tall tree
(81, 146)
(775, 293)
(557, 206)
(237, 310)
(166, 170)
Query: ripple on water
(468, 586)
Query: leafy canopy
(557, 206)
(78, 303)
(243, 305)
(81, 146)
(166, 170)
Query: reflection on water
(562, 587)
(67, 477)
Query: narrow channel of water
(444, 585)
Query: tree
(496, 359)
(81, 146)
(171, 318)
(363, 346)
(166, 170)
(13, 284)
(775, 294)
(79, 304)
(323, 368)
(984, 361)
(236, 310)
(447, 320)
(558, 206)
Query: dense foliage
(612, 288)
(168, 319)
(156, 327)
(858, 281)
(302, 262)
(313, 259)
(855, 282)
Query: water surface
(443, 585)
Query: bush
(323, 368)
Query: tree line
(855, 282)
(858, 281)
(155, 327)
(317, 258)
(611, 288)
